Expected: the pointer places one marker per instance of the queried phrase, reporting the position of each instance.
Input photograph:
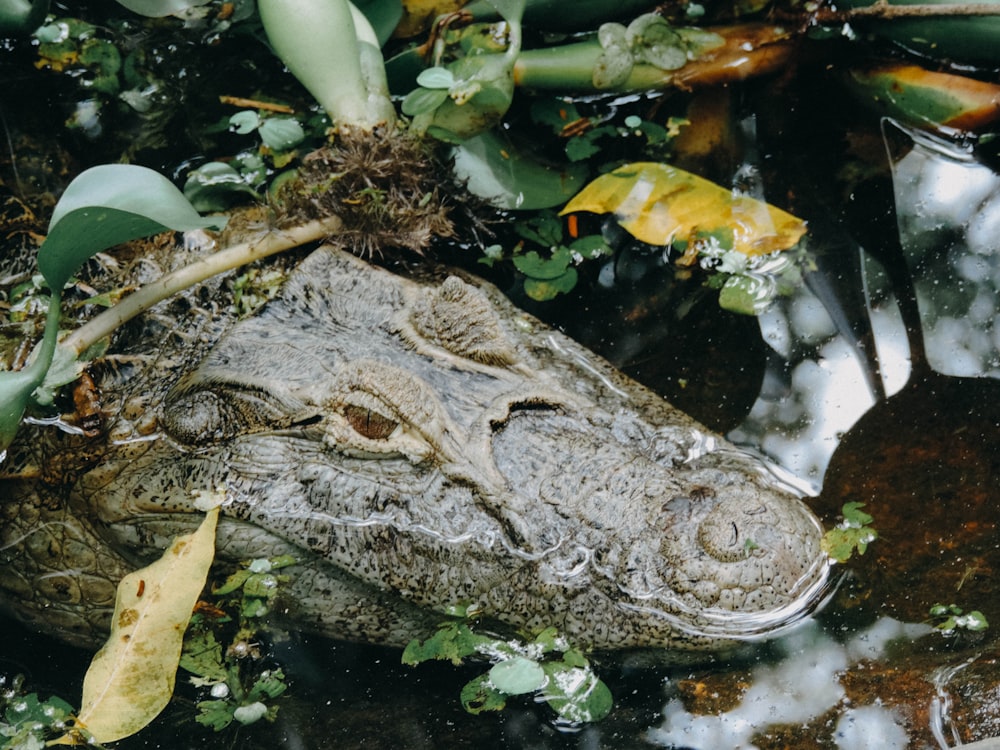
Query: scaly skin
(424, 444)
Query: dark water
(855, 392)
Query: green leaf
(531, 264)
(270, 684)
(453, 641)
(653, 41)
(591, 246)
(215, 187)
(478, 696)
(281, 133)
(436, 78)
(854, 516)
(576, 694)
(107, 205)
(612, 67)
(853, 533)
(746, 295)
(517, 676)
(423, 100)
(202, 656)
(542, 228)
(215, 714)
(244, 122)
(497, 171)
(545, 290)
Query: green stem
(225, 260)
(571, 66)
(16, 387)
(318, 40)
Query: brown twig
(239, 101)
(882, 10)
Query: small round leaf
(517, 676)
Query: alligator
(418, 444)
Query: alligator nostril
(724, 533)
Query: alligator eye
(369, 423)
(195, 418)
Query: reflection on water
(801, 686)
(818, 382)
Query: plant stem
(326, 44)
(749, 50)
(231, 257)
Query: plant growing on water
(545, 665)
(240, 682)
(853, 534)
(949, 618)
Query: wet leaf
(423, 100)
(542, 290)
(658, 204)
(853, 533)
(436, 78)
(215, 187)
(107, 205)
(533, 265)
(517, 676)
(132, 677)
(653, 41)
(244, 122)
(453, 641)
(747, 295)
(478, 696)
(576, 694)
(496, 171)
(281, 133)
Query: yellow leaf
(131, 678)
(658, 204)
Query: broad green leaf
(244, 122)
(576, 694)
(423, 100)
(517, 676)
(215, 187)
(436, 78)
(281, 133)
(531, 264)
(612, 67)
(15, 393)
(497, 172)
(542, 290)
(105, 206)
(132, 677)
(659, 204)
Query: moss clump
(386, 186)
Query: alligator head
(420, 446)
